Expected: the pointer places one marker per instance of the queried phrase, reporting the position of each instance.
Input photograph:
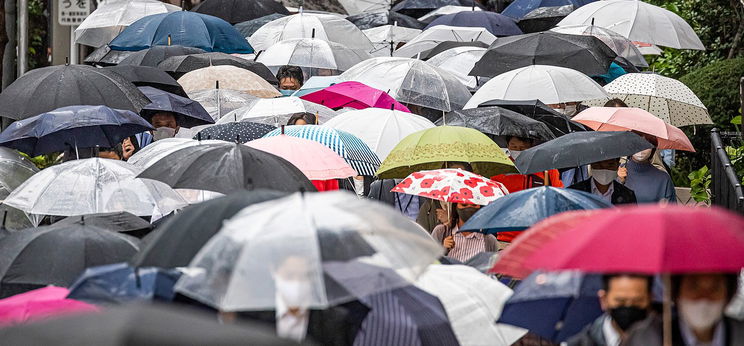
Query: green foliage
(44, 161)
(699, 184)
(38, 33)
(736, 155)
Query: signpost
(71, 13)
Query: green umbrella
(429, 149)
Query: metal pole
(22, 36)
(73, 46)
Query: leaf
(736, 120)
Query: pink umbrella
(38, 304)
(354, 95)
(452, 185)
(315, 160)
(624, 119)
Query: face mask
(701, 314)
(466, 213)
(287, 92)
(604, 176)
(626, 316)
(359, 187)
(642, 155)
(294, 293)
(515, 153)
(569, 110)
(163, 133)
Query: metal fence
(726, 190)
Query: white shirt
(291, 326)
(607, 196)
(719, 335)
(611, 336)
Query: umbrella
(310, 25)
(227, 77)
(638, 21)
(369, 20)
(183, 28)
(120, 283)
(56, 255)
(225, 167)
(238, 132)
(38, 304)
(558, 123)
(14, 170)
(315, 160)
(447, 45)
(430, 38)
(325, 228)
(354, 151)
(580, 148)
(586, 54)
(459, 61)
(313, 53)
(618, 43)
(452, 186)
(156, 54)
(48, 88)
(354, 7)
(419, 8)
(111, 17)
(445, 10)
(248, 27)
(141, 324)
(549, 84)
(519, 210)
(104, 56)
(218, 102)
(411, 81)
(148, 76)
(544, 18)
(626, 119)
(93, 186)
(72, 127)
(354, 95)
(559, 305)
(180, 238)
(473, 302)
(497, 24)
(519, 8)
(236, 11)
(430, 149)
(386, 37)
(182, 64)
(159, 149)
(189, 112)
(277, 111)
(315, 83)
(497, 121)
(115, 222)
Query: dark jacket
(620, 193)
(649, 333)
(592, 335)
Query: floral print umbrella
(452, 185)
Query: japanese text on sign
(72, 12)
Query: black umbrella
(236, 11)
(104, 56)
(497, 121)
(558, 123)
(580, 148)
(48, 88)
(140, 324)
(57, 255)
(375, 19)
(115, 222)
(227, 167)
(237, 132)
(190, 113)
(248, 27)
(148, 76)
(419, 8)
(155, 55)
(587, 54)
(447, 45)
(543, 18)
(182, 64)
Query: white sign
(72, 12)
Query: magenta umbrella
(354, 95)
(38, 304)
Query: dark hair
(523, 139)
(289, 71)
(731, 280)
(616, 102)
(608, 277)
(468, 166)
(309, 118)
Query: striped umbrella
(357, 154)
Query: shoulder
(582, 185)
(438, 231)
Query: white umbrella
(473, 302)
(411, 81)
(647, 48)
(433, 36)
(313, 53)
(638, 21)
(381, 129)
(383, 37)
(277, 111)
(218, 102)
(353, 7)
(460, 61)
(111, 17)
(445, 10)
(227, 77)
(618, 43)
(549, 84)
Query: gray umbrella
(182, 64)
(543, 18)
(248, 27)
(375, 19)
(155, 55)
(14, 170)
(497, 121)
(104, 56)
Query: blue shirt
(650, 184)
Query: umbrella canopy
(519, 210)
(148, 76)
(183, 28)
(277, 111)
(447, 45)
(156, 54)
(459, 61)
(558, 123)
(315, 83)
(497, 24)
(315, 160)
(452, 186)
(313, 53)
(433, 36)
(189, 112)
(626, 119)
(445, 10)
(549, 84)
(236, 11)
(48, 88)
(104, 56)
(497, 121)
(354, 95)
(218, 102)
(356, 153)
(386, 37)
(120, 283)
(586, 54)
(580, 148)
(411, 81)
(248, 27)
(115, 222)
(473, 302)
(38, 304)
(14, 170)
(241, 267)
(638, 21)
(544, 18)
(160, 149)
(618, 43)
(27, 255)
(111, 17)
(419, 8)
(225, 167)
(72, 127)
(237, 132)
(369, 20)
(431, 148)
(519, 8)
(182, 64)
(227, 77)
(353, 7)
(381, 129)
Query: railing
(726, 190)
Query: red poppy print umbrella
(452, 185)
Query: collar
(611, 335)
(689, 337)
(595, 190)
(472, 235)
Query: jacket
(620, 193)
(592, 335)
(650, 333)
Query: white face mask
(642, 155)
(515, 153)
(294, 293)
(604, 176)
(569, 110)
(359, 186)
(163, 133)
(701, 314)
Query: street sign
(72, 12)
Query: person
(625, 300)
(408, 205)
(114, 153)
(566, 108)
(290, 77)
(128, 147)
(700, 301)
(616, 102)
(463, 245)
(603, 184)
(650, 184)
(431, 213)
(302, 119)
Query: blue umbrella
(520, 210)
(554, 306)
(120, 283)
(191, 113)
(72, 126)
(183, 28)
(519, 8)
(497, 24)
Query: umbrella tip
(198, 136)
(82, 219)
(282, 129)
(392, 106)
(169, 39)
(237, 139)
(67, 61)
(217, 84)
(312, 35)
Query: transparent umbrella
(387, 36)
(219, 102)
(111, 17)
(618, 43)
(353, 7)
(277, 111)
(245, 268)
(14, 170)
(313, 53)
(459, 61)
(435, 35)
